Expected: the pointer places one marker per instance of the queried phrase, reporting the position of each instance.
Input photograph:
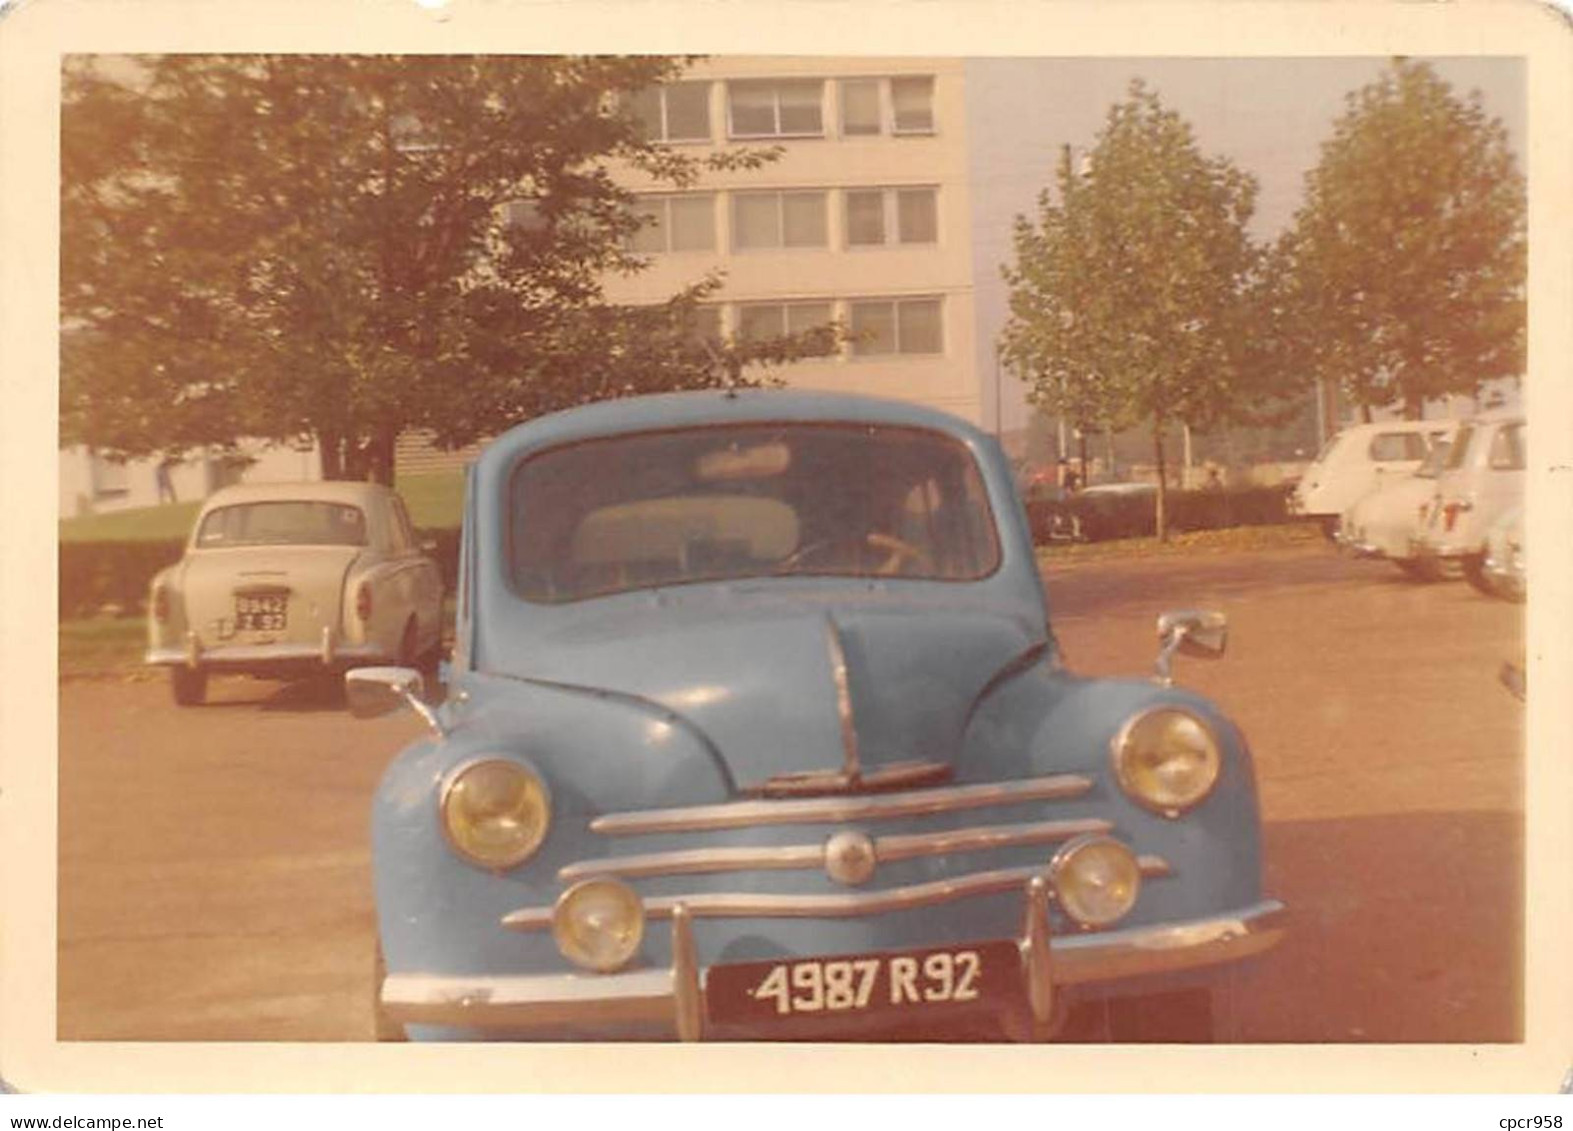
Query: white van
(1358, 460)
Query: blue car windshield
(716, 503)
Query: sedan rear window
(283, 523)
(1507, 448)
(1460, 450)
(716, 503)
(1395, 447)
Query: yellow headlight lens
(495, 813)
(1166, 759)
(598, 924)
(1096, 880)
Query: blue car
(757, 728)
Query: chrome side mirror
(1191, 632)
(372, 692)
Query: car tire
(1475, 573)
(1420, 569)
(189, 686)
(384, 1027)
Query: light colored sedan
(288, 580)
(1385, 521)
(1504, 572)
(1482, 480)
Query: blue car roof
(718, 406)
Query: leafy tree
(1130, 295)
(346, 247)
(1406, 264)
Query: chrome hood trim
(830, 810)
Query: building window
(860, 108)
(674, 223)
(703, 324)
(679, 111)
(865, 218)
(881, 216)
(778, 219)
(762, 321)
(896, 326)
(110, 478)
(783, 108)
(898, 105)
(917, 215)
(912, 104)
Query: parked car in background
(1358, 459)
(290, 580)
(1504, 570)
(757, 729)
(1481, 481)
(1383, 523)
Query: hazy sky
(1270, 116)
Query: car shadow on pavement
(1406, 927)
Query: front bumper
(328, 654)
(1431, 548)
(1356, 545)
(673, 999)
(1507, 576)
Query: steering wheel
(899, 551)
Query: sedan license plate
(260, 612)
(892, 982)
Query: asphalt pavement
(215, 875)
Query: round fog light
(598, 924)
(1096, 880)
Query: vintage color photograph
(777, 548)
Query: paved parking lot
(215, 874)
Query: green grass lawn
(435, 501)
(101, 645)
(1232, 539)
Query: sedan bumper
(1357, 546)
(328, 655)
(1506, 575)
(673, 999)
(1431, 548)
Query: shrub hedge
(96, 575)
(1100, 517)
(99, 575)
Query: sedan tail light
(161, 605)
(363, 602)
(1450, 513)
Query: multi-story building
(864, 219)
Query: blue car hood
(759, 684)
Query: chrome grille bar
(805, 856)
(838, 905)
(829, 810)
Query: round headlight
(1166, 759)
(598, 924)
(495, 813)
(1096, 880)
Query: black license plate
(892, 983)
(261, 612)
